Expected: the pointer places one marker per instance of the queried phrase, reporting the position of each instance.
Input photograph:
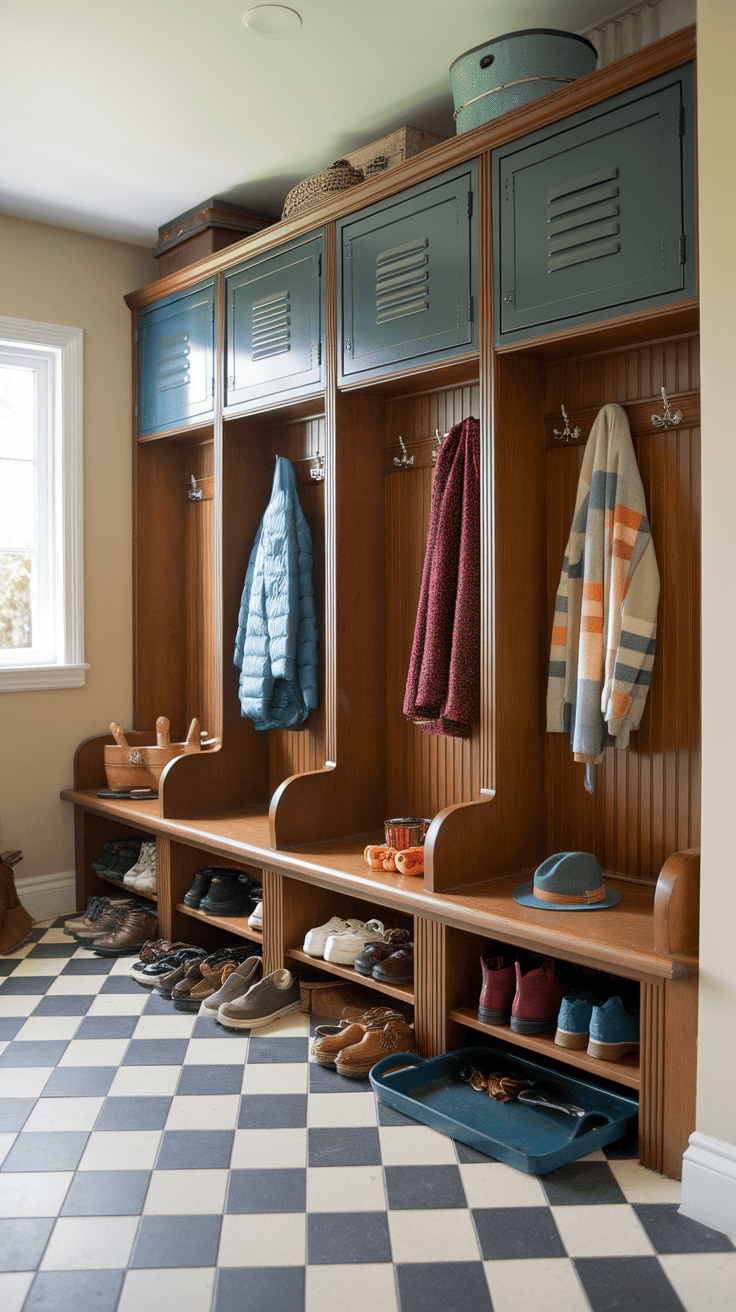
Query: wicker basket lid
(312, 192)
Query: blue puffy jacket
(276, 643)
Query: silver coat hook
(567, 433)
(440, 439)
(317, 472)
(404, 459)
(668, 419)
(195, 491)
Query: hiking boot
(117, 857)
(227, 895)
(356, 1061)
(92, 912)
(237, 984)
(497, 993)
(372, 953)
(274, 996)
(613, 1031)
(128, 936)
(331, 1039)
(106, 921)
(537, 1000)
(573, 1022)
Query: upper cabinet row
(593, 216)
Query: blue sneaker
(613, 1032)
(573, 1022)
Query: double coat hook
(668, 419)
(567, 434)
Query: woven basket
(310, 193)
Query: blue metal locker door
(274, 324)
(176, 360)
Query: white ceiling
(115, 118)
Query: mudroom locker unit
(544, 260)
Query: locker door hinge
(681, 120)
(683, 255)
(135, 411)
(348, 250)
(319, 352)
(319, 266)
(135, 335)
(348, 346)
(470, 204)
(212, 312)
(470, 309)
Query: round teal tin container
(511, 70)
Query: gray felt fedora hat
(567, 881)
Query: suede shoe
(539, 993)
(613, 1031)
(372, 953)
(274, 996)
(235, 985)
(128, 936)
(497, 993)
(398, 968)
(395, 1036)
(197, 971)
(573, 1022)
(331, 1039)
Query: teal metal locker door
(592, 216)
(274, 315)
(408, 276)
(176, 360)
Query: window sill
(34, 678)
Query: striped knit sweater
(605, 624)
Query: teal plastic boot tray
(534, 1139)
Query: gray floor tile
(410, 1187)
(341, 1237)
(9, 1026)
(176, 1241)
(517, 1233)
(68, 1291)
(106, 1193)
(272, 1110)
(8, 965)
(324, 1079)
(466, 1154)
(46, 1150)
(64, 1005)
(42, 1052)
(582, 1183)
(52, 950)
(260, 1289)
(89, 966)
(190, 1150)
(142, 1113)
(624, 1148)
(26, 985)
(626, 1284)
(119, 984)
(344, 1146)
(210, 1079)
(388, 1116)
(155, 1052)
(22, 1242)
(274, 1049)
(79, 1082)
(14, 1113)
(107, 1027)
(282, 1190)
(443, 1287)
(156, 1005)
(671, 1233)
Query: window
(41, 604)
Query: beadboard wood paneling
(646, 803)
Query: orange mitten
(410, 861)
(374, 856)
(389, 861)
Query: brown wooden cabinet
(300, 806)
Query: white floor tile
(216, 1052)
(604, 1230)
(328, 1109)
(121, 1150)
(64, 1114)
(537, 1285)
(121, 966)
(642, 1186)
(90, 1243)
(23, 1081)
(204, 1112)
(269, 1148)
(433, 1235)
(176, 1026)
(281, 1077)
(56, 935)
(271, 1239)
(39, 966)
(189, 1290)
(14, 1286)
(703, 1280)
(410, 1145)
(371, 1287)
(145, 1081)
(94, 1052)
(496, 1185)
(18, 1004)
(186, 1193)
(293, 1026)
(66, 984)
(345, 1189)
(3, 1044)
(37, 1028)
(118, 1004)
(33, 1193)
(20, 953)
(7, 1140)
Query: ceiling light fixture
(274, 22)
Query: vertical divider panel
(651, 1098)
(430, 1010)
(273, 921)
(163, 886)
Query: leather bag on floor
(15, 922)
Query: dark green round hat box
(511, 70)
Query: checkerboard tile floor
(151, 1155)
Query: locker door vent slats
(270, 326)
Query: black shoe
(227, 897)
(199, 888)
(117, 857)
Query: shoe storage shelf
(312, 357)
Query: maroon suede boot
(539, 994)
(497, 994)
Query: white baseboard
(709, 1183)
(48, 896)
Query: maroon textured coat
(443, 685)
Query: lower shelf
(232, 925)
(625, 1071)
(134, 892)
(405, 992)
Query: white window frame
(64, 453)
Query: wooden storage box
(395, 148)
(202, 231)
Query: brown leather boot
(107, 920)
(331, 1039)
(378, 1042)
(128, 935)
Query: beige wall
(58, 276)
(717, 161)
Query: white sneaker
(145, 883)
(314, 943)
(255, 919)
(343, 948)
(146, 862)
